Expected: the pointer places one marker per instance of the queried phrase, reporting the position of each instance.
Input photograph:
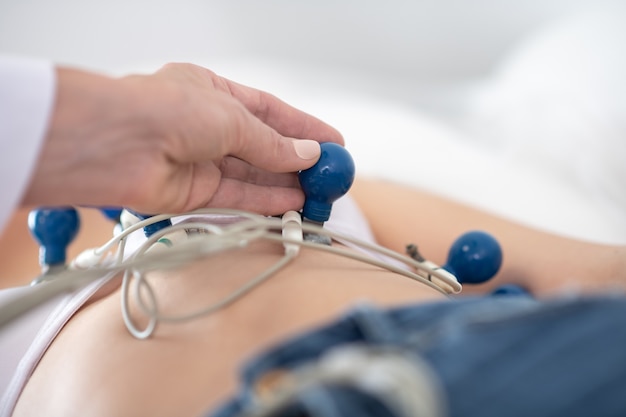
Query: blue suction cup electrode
(154, 227)
(326, 181)
(54, 228)
(112, 213)
(474, 257)
(510, 289)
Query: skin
(544, 263)
(172, 141)
(188, 369)
(184, 138)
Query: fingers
(238, 169)
(285, 119)
(263, 147)
(247, 133)
(225, 118)
(265, 200)
(230, 185)
(229, 130)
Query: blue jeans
(490, 356)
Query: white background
(429, 80)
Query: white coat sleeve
(27, 93)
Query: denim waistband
(483, 356)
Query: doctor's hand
(179, 139)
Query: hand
(177, 140)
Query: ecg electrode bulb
(112, 213)
(154, 227)
(510, 290)
(54, 229)
(474, 257)
(167, 240)
(326, 181)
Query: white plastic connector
(451, 287)
(117, 229)
(292, 230)
(88, 258)
(127, 219)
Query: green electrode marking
(166, 242)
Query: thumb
(265, 148)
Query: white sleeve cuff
(27, 93)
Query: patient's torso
(94, 366)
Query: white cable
(152, 310)
(274, 224)
(243, 228)
(369, 260)
(292, 240)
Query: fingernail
(306, 149)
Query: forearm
(542, 262)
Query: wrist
(92, 113)
(86, 103)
